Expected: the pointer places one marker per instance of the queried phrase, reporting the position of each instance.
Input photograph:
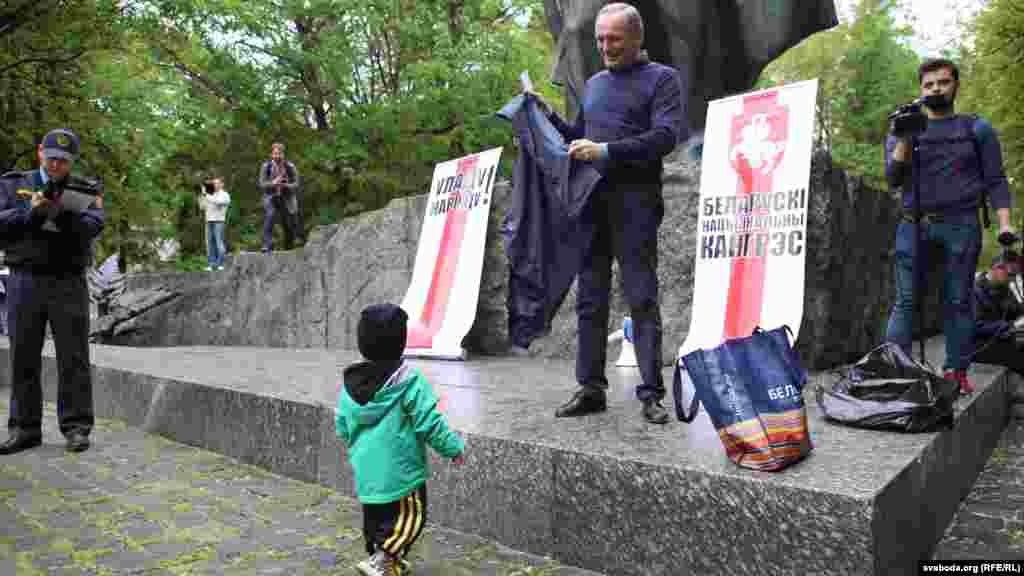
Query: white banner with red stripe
(442, 297)
(752, 226)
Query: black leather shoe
(584, 401)
(19, 441)
(77, 442)
(655, 413)
(519, 351)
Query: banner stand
(750, 260)
(442, 296)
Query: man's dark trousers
(624, 220)
(274, 206)
(63, 300)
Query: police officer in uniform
(48, 242)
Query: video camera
(909, 119)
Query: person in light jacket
(214, 201)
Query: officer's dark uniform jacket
(31, 248)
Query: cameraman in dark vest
(48, 245)
(956, 165)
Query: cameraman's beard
(939, 103)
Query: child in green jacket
(387, 414)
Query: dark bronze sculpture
(720, 46)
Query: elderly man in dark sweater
(959, 162)
(632, 115)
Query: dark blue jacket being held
(543, 231)
(28, 244)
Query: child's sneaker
(381, 564)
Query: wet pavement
(990, 522)
(138, 504)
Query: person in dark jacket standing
(959, 163)
(279, 182)
(631, 116)
(48, 247)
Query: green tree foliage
(993, 81)
(367, 96)
(992, 85)
(62, 64)
(865, 68)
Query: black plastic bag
(889, 390)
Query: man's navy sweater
(638, 112)
(960, 159)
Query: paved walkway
(990, 522)
(139, 504)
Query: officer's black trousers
(624, 221)
(34, 299)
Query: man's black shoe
(655, 413)
(77, 442)
(20, 441)
(519, 351)
(584, 401)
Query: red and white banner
(442, 297)
(752, 227)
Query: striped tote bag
(752, 390)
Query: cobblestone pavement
(139, 504)
(990, 522)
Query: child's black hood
(363, 379)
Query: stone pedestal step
(607, 492)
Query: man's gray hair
(633, 20)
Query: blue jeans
(961, 244)
(215, 244)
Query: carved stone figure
(719, 46)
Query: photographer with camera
(948, 165)
(214, 202)
(999, 317)
(48, 221)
